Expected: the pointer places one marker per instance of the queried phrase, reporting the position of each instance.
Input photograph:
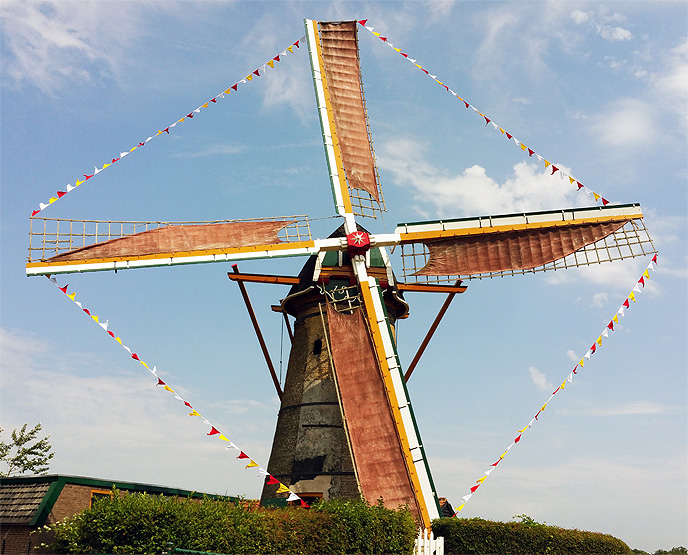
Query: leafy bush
(480, 536)
(140, 523)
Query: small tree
(24, 454)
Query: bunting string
(637, 289)
(221, 95)
(489, 121)
(214, 431)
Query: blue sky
(600, 89)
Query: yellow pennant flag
(571, 179)
(228, 91)
(398, 50)
(646, 273)
(118, 340)
(252, 463)
(271, 63)
(132, 150)
(144, 364)
(205, 105)
(53, 199)
(481, 480)
(523, 147)
(546, 163)
(168, 388)
(110, 164)
(616, 318)
(181, 120)
(194, 413)
(599, 340)
(632, 296)
(223, 437)
(460, 507)
(94, 317)
(563, 384)
(524, 429)
(543, 407)
(376, 33)
(282, 489)
(249, 77)
(594, 194)
(418, 66)
(72, 296)
(581, 362)
(503, 454)
(290, 48)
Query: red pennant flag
(593, 348)
(305, 505)
(141, 144)
(60, 194)
(574, 370)
(383, 39)
(160, 382)
(538, 414)
(518, 438)
(296, 44)
(557, 389)
(496, 463)
(235, 85)
(272, 480)
(426, 71)
(363, 22)
(554, 169)
(88, 176)
(87, 312)
(642, 281)
(276, 58)
(404, 55)
(627, 304)
(605, 202)
(530, 152)
(445, 86)
(580, 185)
(135, 356)
(213, 431)
(257, 72)
(111, 334)
(190, 116)
(610, 325)
(167, 129)
(34, 213)
(243, 455)
(487, 120)
(474, 488)
(508, 136)
(654, 259)
(115, 159)
(64, 289)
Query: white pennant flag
(467, 497)
(293, 497)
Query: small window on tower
(317, 347)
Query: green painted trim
(538, 213)
(47, 503)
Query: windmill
(346, 425)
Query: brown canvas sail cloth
(340, 56)
(181, 238)
(511, 250)
(380, 464)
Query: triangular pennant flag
(460, 508)
(213, 431)
(194, 413)
(616, 318)
(597, 197)
(467, 497)
(223, 437)
(632, 296)
(518, 438)
(271, 481)
(294, 497)
(271, 63)
(474, 488)
(243, 455)
(646, 274)
(481, 480)
(610, 325)
(251, 464)
(168, 388)
(282, 489)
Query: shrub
(475, 535)
(141, 523)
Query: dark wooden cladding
(380, 464)
(181, 238)
(340, 57)
(521, 249)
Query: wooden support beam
(254, 321)
(431, 331)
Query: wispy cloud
(636, 408)
(540, 379)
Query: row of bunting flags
(488, 121)
(637, 289)
(226, 92)
(214, 431)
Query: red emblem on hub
(357, 242)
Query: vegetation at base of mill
(475, 535)
(141, 523)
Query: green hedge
(141, 523)
(475, 535)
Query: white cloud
(607, 32)
(636, 408)
(572, 355)
(51, 44)
(579, 16)
(540, 379)
(670, 85)
(473, 192)
(600, 300)
(625, 123)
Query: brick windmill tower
(346, 425)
